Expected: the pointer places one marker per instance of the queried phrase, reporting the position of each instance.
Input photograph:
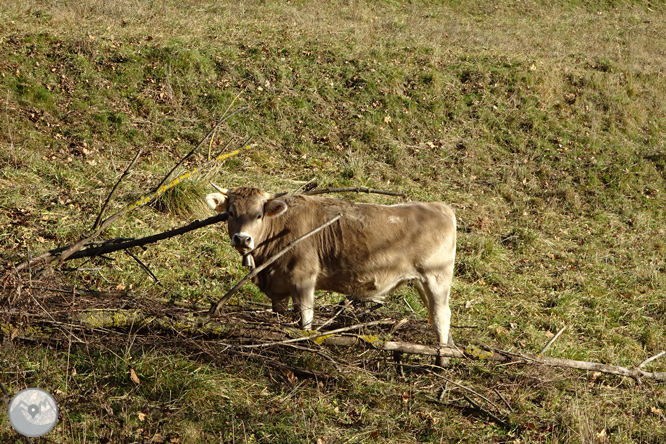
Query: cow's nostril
(242, 240)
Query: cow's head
(248, 209)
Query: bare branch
(486, 412)
(113, 190)
(318, 335)
(648, 360)
(119, 244)
(144, 267)
(552, 340)
(506, 403)
(216, 307)
(307, 186)
(494, 355)
(65, 252)
(635, 373)
(353, 190)
(193, 150)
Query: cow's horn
(276, 195)
(221, 190)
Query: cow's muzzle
(243, 242)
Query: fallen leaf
(134, 377)
(602, 436)
(291, 377)
(593, 378)
(142, 416)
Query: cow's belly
(372, 288)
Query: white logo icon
(33, 412)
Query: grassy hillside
(540, 122)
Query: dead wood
(495, 355)
(113, 190)
(318, 337)
(244, 332)
(123, 244)
(648, 360)
(552, 340)
(216, 307)
(353, 190)
(67, 252)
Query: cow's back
(371, 249)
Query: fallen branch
(495, 355)
(113, 190)
(353, 190)
(552, 340)
(65, 252)
(648, 360)
(216, 307)
(96, 319)
(307, 337)
(122, 244)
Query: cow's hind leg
(435, 291)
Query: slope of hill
(541, 123)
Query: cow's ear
(274, 208)
(217, 201)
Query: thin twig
(319, 353)
(113, 190)
(552, 340)
(216, 307)
(475, 393)
(193, 150)
(648, 360)
(144, 267)
(409, 306)
(506, 403)
(486, 412)
(315, 336)
(343, 308)
(307, 186)
(353, 190)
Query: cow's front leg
(279, 303)
(303, 296)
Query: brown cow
(366, 254)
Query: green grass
(541, 123)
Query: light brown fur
(366, 254)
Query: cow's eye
(259, 217)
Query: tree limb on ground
(352, 190)
(495, 355)
(283, 336)
(122, 243)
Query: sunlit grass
(541, 123)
